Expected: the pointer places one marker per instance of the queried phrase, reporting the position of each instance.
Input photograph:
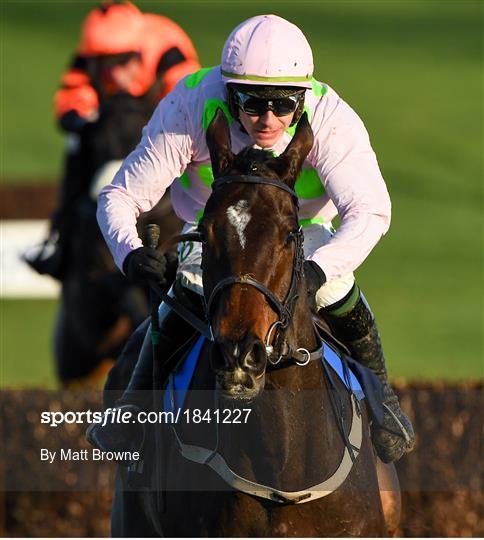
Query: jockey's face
(267, 129)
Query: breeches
(315, 236)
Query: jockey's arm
(173, 66)
(169, 51)
(76, 102)
(161, 156)
(346, 162)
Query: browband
(248, 179)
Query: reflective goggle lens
(254, 106)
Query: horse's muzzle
(239, 367)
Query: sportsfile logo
(119, 416)
(111, 415)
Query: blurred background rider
(121, 51)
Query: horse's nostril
(248, 354)
(218, 357)
(255, 359)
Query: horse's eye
(292, 237)
(289, 238)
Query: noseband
(284, 308)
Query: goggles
(109, 61)
(254, 106)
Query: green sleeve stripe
(193, 80)
(318, 88)
(185, 181)
(199, 215)
(205, 173)
(305, 222)
(309, 185)
(210, 109)
(265, 79)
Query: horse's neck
(294, 420)
(291, 441)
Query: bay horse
(99, 307)
(294, 466)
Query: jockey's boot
(354, 325)
(110, 434)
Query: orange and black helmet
(111, 29)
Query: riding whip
(152, 237)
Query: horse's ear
(218, 142)
(297, 150)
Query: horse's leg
(133, 310)
(390, 495)
(128, 519)
(120, 374)
(75, 366)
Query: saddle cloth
(180, 379)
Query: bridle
(285, 310)
(279, 352)
(279, 349)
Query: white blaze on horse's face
(239, 217)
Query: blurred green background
(413, 72)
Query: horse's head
(252, 255)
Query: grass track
(25, 350)
(411, 69)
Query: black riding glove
(315, 277)
(145, 265)
(73, 122)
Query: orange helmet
(112, 28)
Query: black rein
(285, 308)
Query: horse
(99, 307)
(301, 463)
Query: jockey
(121, 50)
(263, 86)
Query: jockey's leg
(173, 334)
(353, 323)
(345, 310)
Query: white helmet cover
(267, 50)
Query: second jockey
(121, 50)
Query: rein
(284, 308)
(301, 356)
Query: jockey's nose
(268, 118)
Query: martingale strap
(184, 313)
(217, 463)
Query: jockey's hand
(145, 265)
(73, 122)
(315, 277)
